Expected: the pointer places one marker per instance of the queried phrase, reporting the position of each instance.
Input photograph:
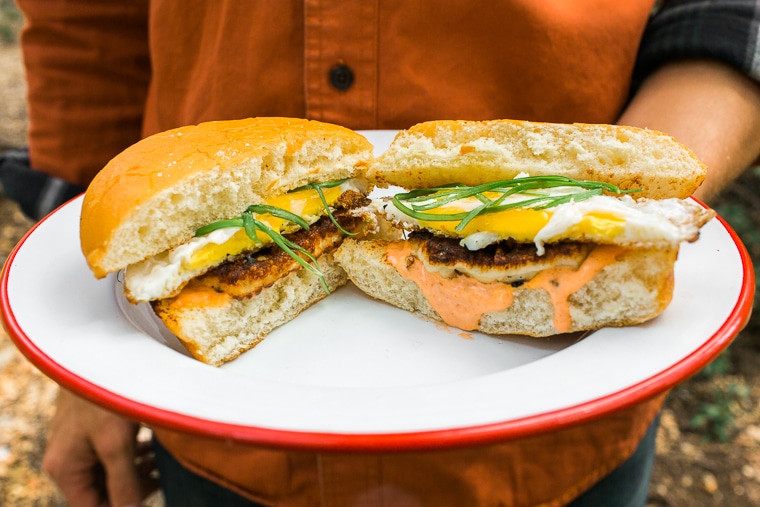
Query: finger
(73, 468)
(117, 456)
(80, 488)
(91, 451)
(123, 484)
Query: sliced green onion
(265, 209)
(318, 188)
(221, 224)
(417, 203)
(252, 226)
(291, 248)
(328, 184)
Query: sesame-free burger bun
(473, 152)
(155, 194)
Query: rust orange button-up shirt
(102, 74)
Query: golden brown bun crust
(153, 196)
(471, 152)
(634, 289)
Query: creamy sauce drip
(562, 282)
(462, 301)
(197, 296)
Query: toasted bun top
(469, 152)
(155, 194)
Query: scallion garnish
(287, 246)
(418, 203)
(317, 187)
(244, 222)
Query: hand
(708, 106)
(93, 455)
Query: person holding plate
(102, 75)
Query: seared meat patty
(248, 274)
(506, 261)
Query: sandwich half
(228, 228)
(511, 227)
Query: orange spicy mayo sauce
(462, 301)
(561, 282)
(195, 295)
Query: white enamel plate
(351, 373)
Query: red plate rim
(418, 440)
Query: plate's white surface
(350, 365)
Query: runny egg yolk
(597, 224)
(523, 224)
(520, 224)
(304, 203)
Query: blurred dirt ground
(708, 446)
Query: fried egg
(602, 219)
(165, 274)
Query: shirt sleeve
(87, 69)
(722, 30)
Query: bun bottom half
(219, 332)
(635, 288)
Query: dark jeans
(183, 488)
(36, 193)
(626, 486)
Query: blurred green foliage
(739, 206)
(714, 410)
(715, 417)
(11, 21)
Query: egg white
(644, 222)
(165, 274)
(162, 274)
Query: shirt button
(341, 77)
